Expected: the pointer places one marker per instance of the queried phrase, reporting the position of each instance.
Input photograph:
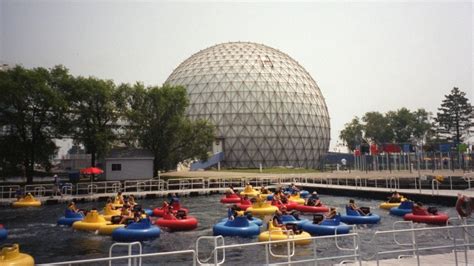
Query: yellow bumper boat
(92, 222)
(261, 208)
(387, 205)
(10, 256)
(249, 192)
(107, 229)
(27, 201)
(296, 198)
(109, 212)
(277, 233)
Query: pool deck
(446, 259)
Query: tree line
(453, 119)
(40, 105)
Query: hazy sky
(365, 56)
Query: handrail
(130, 246)
(433, 186)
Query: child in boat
(126, 214)
(313, 200)
(230, 190)
(264, 190)
(418, 209)
(173, 199)
(395, 198)
(131, 201)
(353, 206)
(72, 207)
(231, 212)
(119, 198)
(331, 214)
(110, 204)
(276, 220)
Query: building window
(116, 167)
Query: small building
(129, 164)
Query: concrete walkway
(447, 259)
(335, 174)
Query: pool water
(36, 231)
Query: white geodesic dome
(267, 108)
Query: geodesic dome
(267, 108)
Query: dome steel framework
(267, 108)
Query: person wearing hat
(313, 200)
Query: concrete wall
(130, 169)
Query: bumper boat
(142, 230)
(249, 192)
(244, 204)
(439, 218)
(262, 209)
(240, 226)
(158, 212)
(3, 232)
(277, 233)
(312, 209)
(327, 227)
(27, 201)
(10, 256)
(404, 208)
(70, 217)
(290, 219)
(296, 198)
(354, 217)
(92, 222)
(388, 205)
(108, 229)
(108, 213)
(251, 219)
(289, 206)
(230, 199)
(176, 224)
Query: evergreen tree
(455, 114)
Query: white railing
(136, 261)
(7, 192)
(143, 185)
(98, 187)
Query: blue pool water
(36, 231)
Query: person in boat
(264, 190)
(131, 201)
(276, 219)
(119, 198)
(294, 189)
(173, 199)
(137, 215)
(126, 214)
(353, 206)
(248, 187)
(231, 212)
(230, 190)
(110, 204)
(313, 200)
(276, 200)
(395, 198)
(72, 207)
(418, 209)
(284, 210)
(331, 214)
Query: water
(36, 231)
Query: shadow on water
(36, 231)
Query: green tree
(377, 127)
(31, 115)
(157, 122)
(455, 114)
(93, 114)
(402, 123)
(352, 134)
(423, 128)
